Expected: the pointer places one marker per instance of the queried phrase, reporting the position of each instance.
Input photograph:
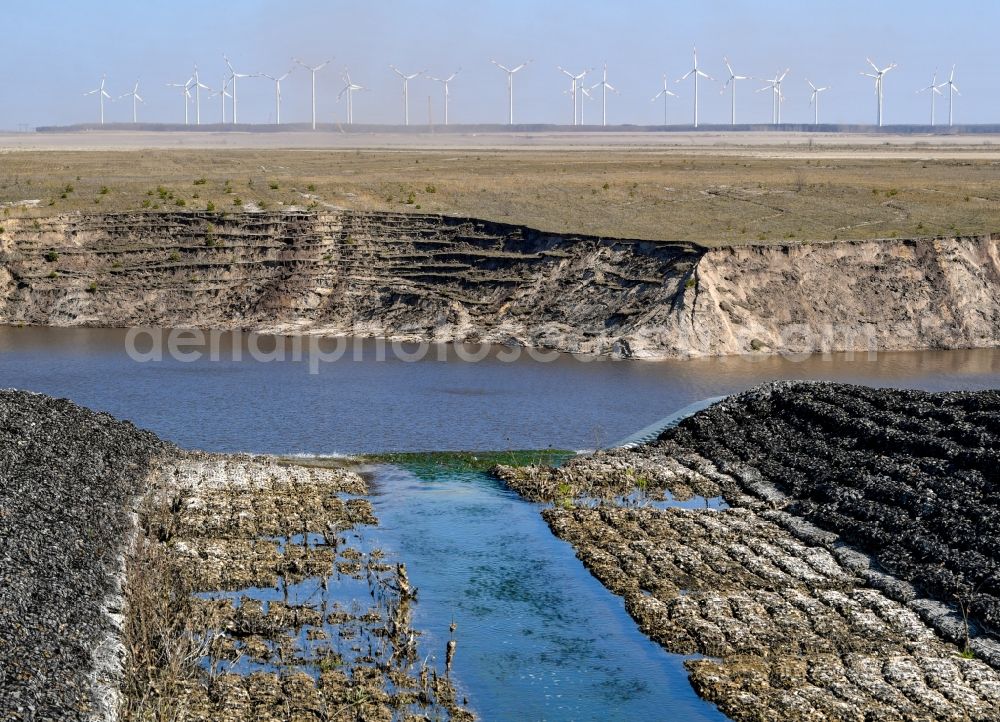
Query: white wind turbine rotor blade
(729, 67)
(686, 75)
(873, 65)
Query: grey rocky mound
(910, 477)
(68, 477)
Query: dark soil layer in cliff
(912, 478)
(67, 476)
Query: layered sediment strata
(821, 593)
(439, 278)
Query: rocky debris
(439, 278)
(68, 481)
(909, 477)
(293, 617)
(808, 599)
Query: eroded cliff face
(887, 295)
(414, 276)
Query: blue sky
(53, 51)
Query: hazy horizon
(57, 51)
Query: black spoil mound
(67, 476)
(912, 478)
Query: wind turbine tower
(233, 75)
(185, 93)
(349, 88)
(934, 89)
(312, 72)
(666, 93)
(575, 88)
(878, 75)
(224, 93)
(101, 95)
(605, 87)
(406, 91)
(447, 92)
(585, 93)
(814, 100)
(277, 93)
(510, 87)
(952, 92)
(733, 78)
(695, 71)
(777, 97)
(196, 83)
(136, 98)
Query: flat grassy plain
(715, 196)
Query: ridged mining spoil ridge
(852, 571)
(440, 278)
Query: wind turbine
(186, 91)
(447, 93)
(576, 79)
(349, 88)
(197, 85)
(952, 91)
(224, 93)
(510, 87)
(277, 93)
(585, 93)
(233, 75)
(135, 98)
(605, 87)
(733, 78)
(101, 94)
(878, 75)
(935, 89)
(406, 90)
(666, 93)
(777, 97)
(814, 99)
(313, 72)
(696, 72)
